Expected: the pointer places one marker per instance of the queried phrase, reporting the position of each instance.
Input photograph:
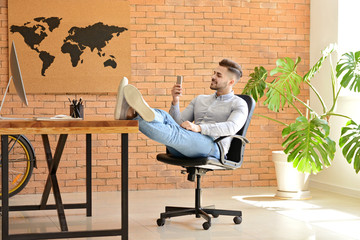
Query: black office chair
(199, 166)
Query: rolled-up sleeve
(186, 115)
(231, 126)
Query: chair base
(198, 211)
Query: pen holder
(77, 111)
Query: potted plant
(307, 144)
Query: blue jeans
(179, 141)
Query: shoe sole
(136, 101)
(120, 98)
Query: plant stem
(272, 119)
(306, 105)
(318, 95)
(337, 114)
(335, 100)
(333, 83)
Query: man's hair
(233, 67)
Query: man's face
(220, 78)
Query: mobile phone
(179, 80)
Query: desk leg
(88, 176)
(53, 164)
(124, 186)
(5, 187)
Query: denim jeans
(179, 141)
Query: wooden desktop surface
(68, 126)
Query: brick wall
(169, 38)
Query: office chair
(197, 167)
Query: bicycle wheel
(21, 163)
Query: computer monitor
(16, 76)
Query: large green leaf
(256, 85)
(325, 53)
(284, 86)
(350, 143)
(349, 68)
(308, 144)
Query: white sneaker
(136, 101)
(121, 106)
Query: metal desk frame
(52, 183)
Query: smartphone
(179, 80)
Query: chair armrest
(243, 139)
(222, 154)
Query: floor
(327, 216)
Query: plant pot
(292, 184)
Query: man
(190, 133)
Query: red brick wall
(169, 38)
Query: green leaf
(350, 143)
(348, 68)
(285, 86)
(308, 144)
(325, 53)
(256, 85)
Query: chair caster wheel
(206, 225)
(215, 215)
(237, 220)
(160, 222)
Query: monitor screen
(16, 75)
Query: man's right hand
(176, 92)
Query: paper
(56, 117)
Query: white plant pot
(292, 184)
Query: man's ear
(232, 78)
(232, 81)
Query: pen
(77, 112)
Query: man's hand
(176, 92)
(191, 126)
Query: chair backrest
(236, 150)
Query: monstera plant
(306, 140)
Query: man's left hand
(191, 126)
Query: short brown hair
(233, 67)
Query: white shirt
(217, 115)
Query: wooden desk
(65, 127)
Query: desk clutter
(76, 113)
(76, 108)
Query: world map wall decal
(67, 46)
(93, 36)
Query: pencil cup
(77, 111)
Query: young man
(190, 133)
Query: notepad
(56, 117)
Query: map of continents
(94, 37)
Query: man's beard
(216, 86)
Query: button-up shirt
(217, 115)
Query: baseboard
(336, 189)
